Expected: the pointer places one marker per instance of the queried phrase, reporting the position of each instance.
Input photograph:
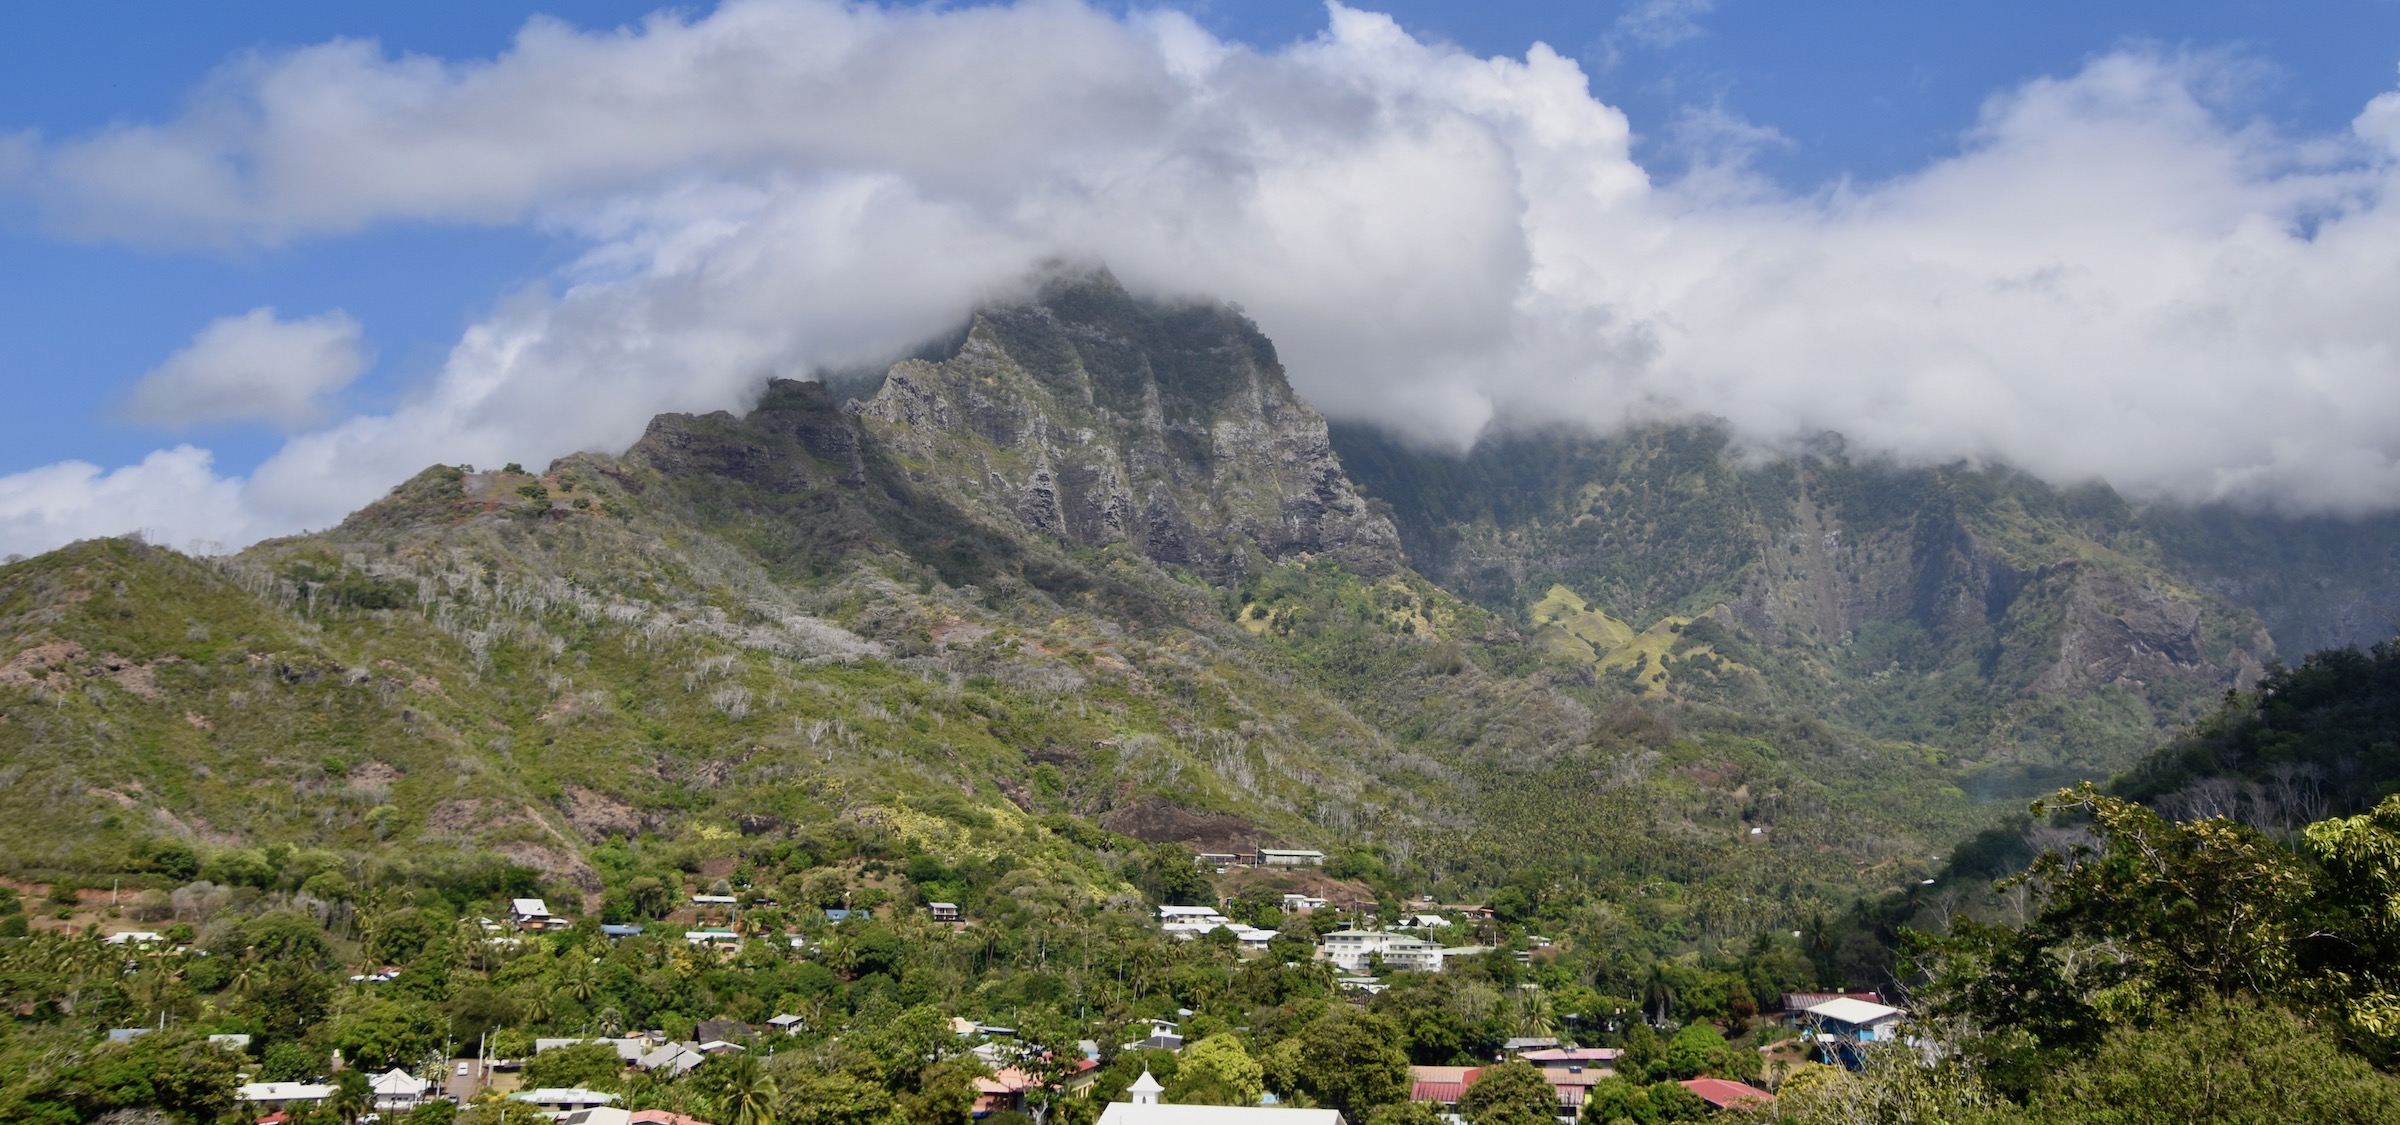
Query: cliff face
(1969, 608)
(1094, 419)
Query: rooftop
(1857, 1012)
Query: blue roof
(620, 931)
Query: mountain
(1974, 609)
(1089, 575)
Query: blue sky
(1828, 93)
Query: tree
(1696, 1050)
(2354, 955)
(1674, 1103)
(1217, 1071)
(591, 1065)
(816, 1098)
(2144, 922)
(1350, 1060)
(2233, 1063)
(1406, 1113)
(744, 1092)
(1612, 1100)
(1512, 1093)
(945, 1092)
(352, 1096)
(1170, 878)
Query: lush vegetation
(1699, 732)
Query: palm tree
(746, 1092)
(576, 979)
(352, 1097)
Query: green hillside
(1020, 626)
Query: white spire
(1145, 1090)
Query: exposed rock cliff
(1963, 607)
(1094, 418)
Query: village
(1363, 953)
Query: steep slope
(911, 610)
(1979, 610)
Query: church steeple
(1145, 1090)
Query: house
(724, 1030)
(1524, 1043)
(839, 916)
(1163, 1036)
(720, 939)
(397, 1091)
(1425, 921)
(1218, 860)
(719, 1047)
(1796, 1004)
(279, 1095)
(610, 1115)
(1573, 1059)
(673, 1060)
(620, 933)
(1290, 857)
(135, 937)
(127, 1034)
(1840, 1026)
(1191, 914)
(534, 914)
(1721, 1094)
(1441, 1085)
(1350, 950)
(943, 911)
(231, 1041)
(789, 1025)
(562, 1100)
(715, 900)
(1301, 904)
(1144, 1108)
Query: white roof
(141, 937)
(1145, 1085)
(943, 905)
(714, 900)
(283, 1092)
(1187, 912)
(1127, 1113)
(532, 907)
(554, 1095)
(1857, 1012)
(398, 1081)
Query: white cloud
(253, 367)
(172, 497)
(1663, 23)
(2112, 279)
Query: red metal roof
(1722, 1094)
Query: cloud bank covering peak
(2115, 278)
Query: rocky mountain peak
(1094, 417)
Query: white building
(397, 1091)
(1351, 949)
(533, 914)
(135, 937)
(1144, 1108)
(1290, 857)
(559, 1100)
(277, 1095)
